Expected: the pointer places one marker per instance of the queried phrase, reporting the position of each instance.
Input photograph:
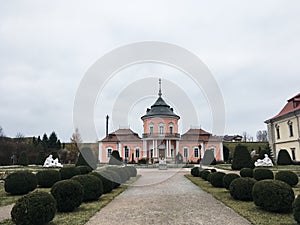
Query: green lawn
(246, 209)
(81, 215)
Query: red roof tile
(122, 135)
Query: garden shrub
(36, 208)
(115, 158)
(284, 158)
(20, 182)
(208, 177)
(195, 171)
(246, 172)
(241, 188)
(273, 195)
(288, 177)
(69, 172)
(228, 178)
(23, 159)
(216, 179)
(68, 195)
(241, 158)
(262, 174)
(204, 174)
(213, 170)
(92, 186)
(296, 209)
(84, 169)
(106, 182)
(46, 178)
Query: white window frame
(107, 152)
(185, 152)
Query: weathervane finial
(159, 93)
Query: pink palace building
(161, 139)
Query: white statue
(264, 162)
(50, 162)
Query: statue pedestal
(162, 165)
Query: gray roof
(160, 108)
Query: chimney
(107, 117)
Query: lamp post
(200, 147)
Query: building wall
(132, 146)
(157, 121)
(285, 141)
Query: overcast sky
(252, 48)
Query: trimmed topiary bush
(246, 172)
(69, 172)
(46, 178)
(204, 174)
(68, 195)
(208, 177)
(216, 179)
(296, 209)
(241, 158)
(84, 169)
(195, 171)
(273, 195)
(20, 182)
(262, 174)
(284, 158)
(106, 182)
(288, 177)
(36, 208)
(228, 178)
(92, 186)
(213, 170)
(241, 188)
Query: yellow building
(284, 129)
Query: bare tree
(20, 135)
(1, 132)
(262, 136)
(73, 148)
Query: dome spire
(159, 92)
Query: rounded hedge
(84, 169)
(195, 171)
(20, 182)
(288, 177)
(228, 178)
(36, 208)
(273, 195)
(68, 195)
(213, 170)
(262, 174)
(204, 174)
(241, 188)
(69, 172)
(246, 172)
(284, 158)
(46, 178)
(296, 209)
(208, 177)
(106, 182)
(92, 186)
(216, 179)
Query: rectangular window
(172, 152)
(291, 130)
(137, 153)
(278, 133)
(293, 153)
(161, 129)
(109, 150)
(196, 152)
(185, 152)
(171, 130)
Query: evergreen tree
(23, 159)
(115, 158)
(87, 158)
(241, 158)
(52, 142)
(226, 153)
(45, 141)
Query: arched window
(151, 128)
(137, 152)
(161, 128)
(171, 128)
(108, 152)
(185, 152)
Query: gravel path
(166, 197)
(5, 212)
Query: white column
(221, 153)
(100, 152)
(153, 147)
(177, 147)
(120, 148)
(155, 152)
(167, 148)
